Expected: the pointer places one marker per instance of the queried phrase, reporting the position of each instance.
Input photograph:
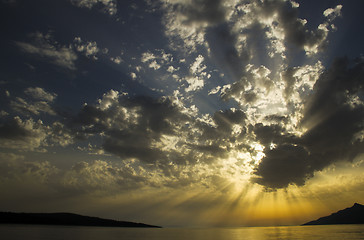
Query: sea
(41, 232)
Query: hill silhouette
(352, 215)
(69, 219)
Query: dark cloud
(140, 127)
(215, 141)
(204, 11)
(277, 118)
(256, 44)
(268, 29)
(13, 129)
(334, 139)
(295, 29)
(289, 80)
(282, 165)
(209, 18)
(158, 115)
(131, 126)
(28, 134)
(334, 117)
(274, 133)
(221, 134)
(335, 113)
(335, 88)
(133, 145)
(222, 42)
(225, 119)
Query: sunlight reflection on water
(23, 232)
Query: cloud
(290, 80)
(147, 56)
(132, 125)
(237, 92)
(154, 65)
(109, 6)
(30, 135)
(157, 60)
(185, 20)
(255, 89)
(45, 47)
(236, 34)
(90, 49)
(273, 133)
(333, 117)
(197, 67)
(153, 137)
(59, 135)
(284, 164)
(41, 94)
(198, 75)
(14, 167)
(3, 113)
(35, 107)
(228, 56)
(300, 80)
(332, 13)
(223, 131)
(194, 84)
(289, 27)
(215, 90)
(116, 60)
(203, 12)
(294, 28)
(133, 75)
(38, 102)
(24, 135)
(158, 133)
(101, 175)
(172, 69)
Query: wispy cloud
(45, 47)
(38, 101)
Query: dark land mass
(351, 215)
(67, 219)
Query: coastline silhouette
(69, 219)
(351, 215)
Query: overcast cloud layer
(128, 95)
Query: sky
(182, 113)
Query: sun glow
(239, 166)
(259, 153)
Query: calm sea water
(26, 232)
